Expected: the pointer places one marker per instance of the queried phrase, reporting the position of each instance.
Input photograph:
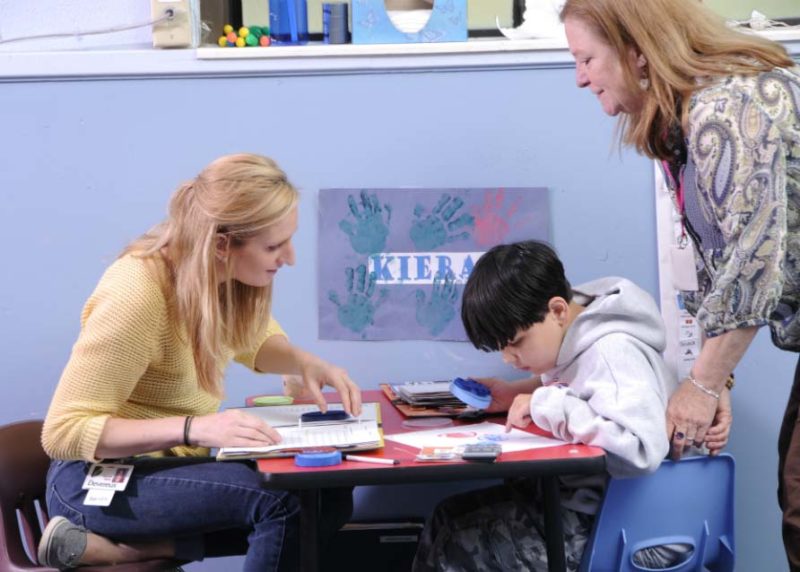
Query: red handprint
(491, 225)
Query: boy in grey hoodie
(594, 353)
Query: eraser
(471, 392)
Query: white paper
(97, 497)
(683, 334)
(284, 419)
(515, 440)
(289, 415)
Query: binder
(360, 433)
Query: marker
(377, 460)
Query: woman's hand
(718, 433)
(317, 373)
(519, 414)
(232, 428)
(689, 415)
(294, 387)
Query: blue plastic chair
(689, 502)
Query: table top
(547, 461)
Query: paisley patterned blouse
(742, 203)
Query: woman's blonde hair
(685, 44)
(232, 199)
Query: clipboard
(362, 433)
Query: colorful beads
(252, 36)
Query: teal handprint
(359, 311)
(369, 233)
(440, 310)
(433, 230)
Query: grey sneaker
(62, 544)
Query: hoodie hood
(613, 305)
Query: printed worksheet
(289, 415)
(514, 440)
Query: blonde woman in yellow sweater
(145, 380)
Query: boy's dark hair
(508, 290)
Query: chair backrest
(689, 502)
(23, 474)
(23, 481)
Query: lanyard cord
(676, 190)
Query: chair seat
(23, 476)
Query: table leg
(309, 530)
(553, 525)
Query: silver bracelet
(702, 387)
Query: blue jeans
(208, 508)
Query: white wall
(20, 18)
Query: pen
(378, 460)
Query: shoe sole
(47, 536)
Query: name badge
(103, 480)
(684, 272)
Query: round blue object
(471, 392)
(318, 458)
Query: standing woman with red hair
(720, 110)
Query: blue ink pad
(319, 457)
(471, 392)
(317, 416)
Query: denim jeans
(208, 508)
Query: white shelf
(312, 59)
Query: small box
(367, 547)
(371, 24)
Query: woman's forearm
(277, 355)
(720, 355)
(127, 437)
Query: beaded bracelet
(187, 423)
(702, 387)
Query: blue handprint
(440, 310)
(359, 311)
(432, 231)
(369, 233)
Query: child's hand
(717, 435)
(503, 393)
(519, 414)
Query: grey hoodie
(610, 386)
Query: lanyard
(676, 190)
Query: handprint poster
(393, 262)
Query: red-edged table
(546, 463)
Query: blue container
(288, 22)
(335, 28)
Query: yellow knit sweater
(129, 363)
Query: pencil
(377, 460)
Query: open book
(353, 434)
